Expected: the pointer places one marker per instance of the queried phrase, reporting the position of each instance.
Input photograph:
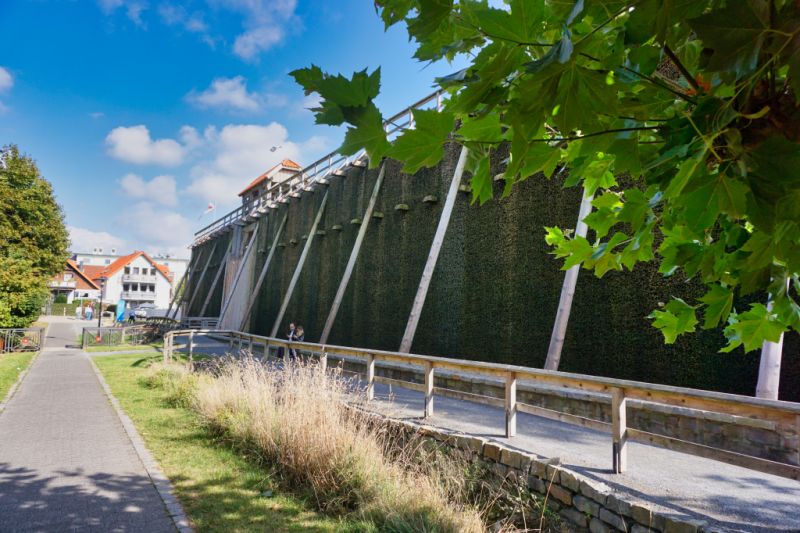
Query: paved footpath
(66, 463)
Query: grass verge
(221, 488)
(123, 348)
(11, 366)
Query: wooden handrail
(620, 391)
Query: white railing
(62, 284)
(784, 416)
(332, 164)
(138, 295)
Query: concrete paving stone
(66, 463)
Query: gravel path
(66, 463)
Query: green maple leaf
(735, 33)
(719, 301)
(423, 145)
(677, 318)
(752, 328)
(368, 134)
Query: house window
(125, 287)
(127, 270)
(67, 276)
(135, 270)
(152, 271)
(152, 288)
(108, 261)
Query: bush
(60, 299)
(112, 308)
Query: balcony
(61, 284)
(138, 295)
(139, 278)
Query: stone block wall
(587, 504)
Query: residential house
(73, 283)
(97, 257)
(283, 171)
(136, 278)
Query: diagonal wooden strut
(223, 265)
(262, 276)
(245, 257)
(299, 268)
(348, 271)
(187, 278)
(433, 255)
(200, 279)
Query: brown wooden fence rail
(785, 415)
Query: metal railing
(119, 335)
(21, 340)
(331, 164)
(783, 415)
(199, 322)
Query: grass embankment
(221, 488)
(11, 366)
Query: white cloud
(134, 145)
(6, 80)
(177, 15)
(265, 23)
(84, 240)
(160, 189)
(226, 93)
(241, 153)
(157, 229)
(133, 8)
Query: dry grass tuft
(306, 422)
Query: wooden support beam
(429, 377)
(174, 298)
(299, 268)
(187, 277)
(223, 265)
(200, 279)
(511, 404)
(263, 274)
(567, 294)
(619, 430)
(433, 255)
(348, 271)
(370, 377)
(238, 276)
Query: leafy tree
(34, 239)
(695, 102)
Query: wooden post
(223, 265)
(323, 360)
(200, 278)
(299, 268)
(348, 271)
(567, 294)
(263, 274)
(370, 377)
(429, 376)
(187, 275)
(433, 255)
(191, 346)
(769, 367)
(250, 344)
(511, 404)
(238, 275)
(619, 430)
(230, 341)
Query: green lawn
(123, 348)
(220, 489)
(11, 365)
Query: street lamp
(103, 280)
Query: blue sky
(141, 112)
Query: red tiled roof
(96, 272)
(286, 163)
(84, 276)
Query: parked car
(144, 310)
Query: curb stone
(161, 483)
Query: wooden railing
(785, 415)
(317, 172)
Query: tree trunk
(567, 292)
(769, 369)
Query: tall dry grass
(307, 422)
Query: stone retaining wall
(750, 436)
(585, 503)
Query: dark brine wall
(201, 287)
(495, 290)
